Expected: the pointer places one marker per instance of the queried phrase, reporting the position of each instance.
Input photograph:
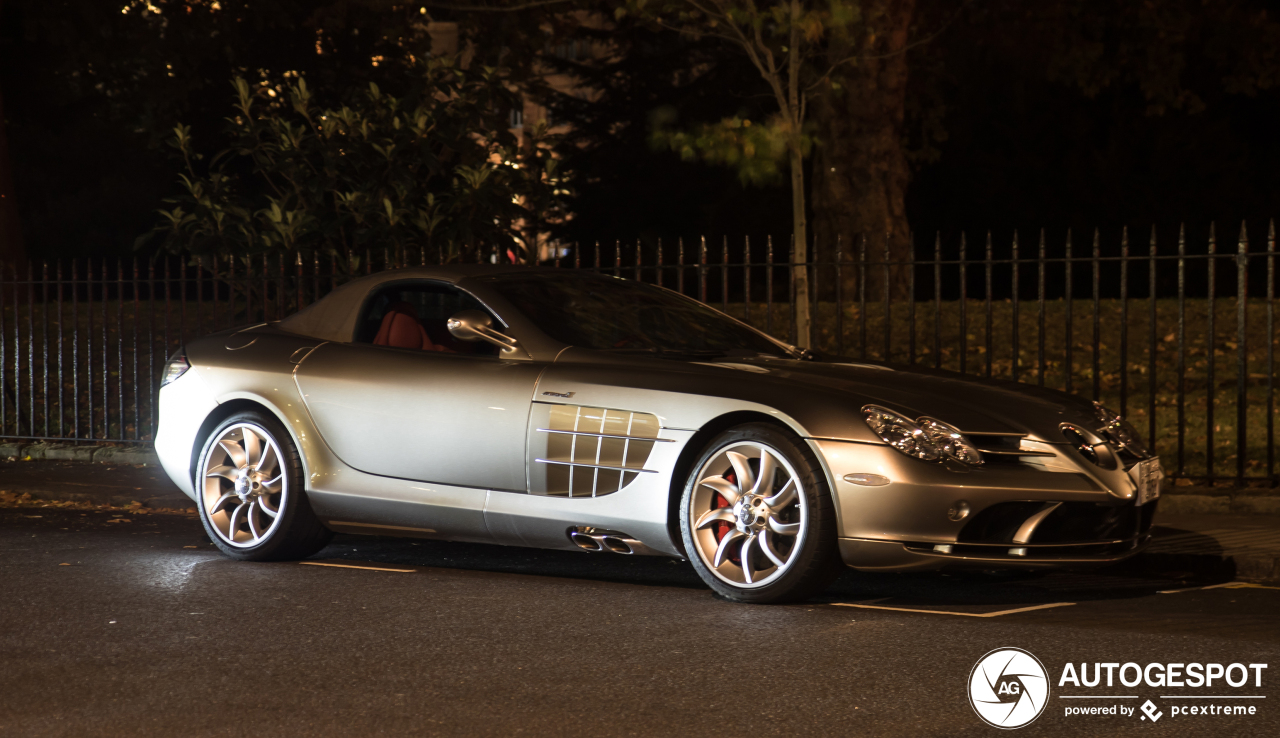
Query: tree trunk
(13, 252)
(799, 252)
(860, 172)
(793, 106)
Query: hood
(975, 406)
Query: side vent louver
(594, 451)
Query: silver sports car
(562, 409)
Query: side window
(415, 315)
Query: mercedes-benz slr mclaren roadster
(567, 410)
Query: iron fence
(1180, 339)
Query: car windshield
(611, 314)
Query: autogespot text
(1217, 678)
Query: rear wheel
(757, 517)
(249, 489)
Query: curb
(172, 501)
(67, 452)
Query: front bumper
(1080, 518)
(872, 555)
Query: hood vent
(1003, 447)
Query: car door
(449, 412)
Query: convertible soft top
(333, 318)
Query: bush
(435, 171)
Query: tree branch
(874, 57)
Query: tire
(249, 491)
(787, 528)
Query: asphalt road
(135, 626)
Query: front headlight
(1119, 431)
(950, 441)
(926, 439)
(899, 432)
(177, 366)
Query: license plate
(1147, 475)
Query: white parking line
(353, 566)
(961, 614)
(1227, 585)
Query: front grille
(1071, 523)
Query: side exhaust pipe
(617, 545)
(596, 540)
(586, 542)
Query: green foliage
(436, 170)
(787, 41)
(756, 151)
(772, 20)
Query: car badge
(565, 395)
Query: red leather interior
(400, 328)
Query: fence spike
(1040, 343)
(1152, 342)
(1013, 305)
(989, 347)
(1097, 325)
(937, 300)
(1242, 352)
(964, 306)
(1069, 295)
(1124, 320)
(1210, 347)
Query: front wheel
(757, 517)
(249, 489)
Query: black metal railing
(1179, 339)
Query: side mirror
(475, 325)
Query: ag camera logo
(1008, 688)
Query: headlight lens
(1119, 431)
(950, 441)
(177, 366)
(926, 439)
(899, 432)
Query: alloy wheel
(748, 513)
(245, 486)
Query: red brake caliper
(722, 528)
